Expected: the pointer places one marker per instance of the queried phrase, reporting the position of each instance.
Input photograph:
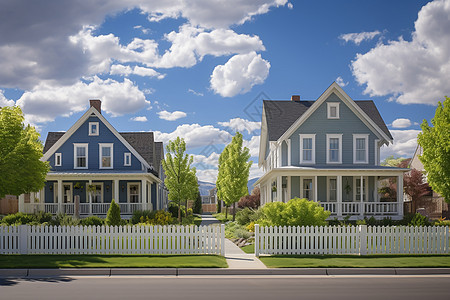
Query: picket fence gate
(26, 239)
(359, 240)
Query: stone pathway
(236, 258)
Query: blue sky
(199, 69)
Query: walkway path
(236, 258)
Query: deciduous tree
(435, 142)
(21, 170)
(415, 187)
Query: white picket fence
(360, 240)
(25, 239)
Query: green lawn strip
(112, 261)
(249, 248)
(197, 220)
(349, 261)
(221, 217)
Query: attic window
(127, 159)
(58, 159)
(93, 128)
(333, 110)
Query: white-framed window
(97, 195)
(307, 188)
(127, 159)
(134, 195)
(80, 156)
(334, 148)
(360, 148)
(332, 189)
(66, 192)
(307, 148)
(106, 155)
(357, 187)
(333, 110)
(93, 128)
(58, 159)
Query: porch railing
(85, 208)
(368, 208)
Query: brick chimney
(295, 98)
(97, 104)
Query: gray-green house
(328, 151)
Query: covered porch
(87, 194)
(356, 193)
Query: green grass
(221, 217)
(112, 261)
(197, 220)
(249, 248)
(349, 261)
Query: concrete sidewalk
(238, 259)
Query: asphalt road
(229, 288)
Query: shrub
(173, 209)
(296, 212)
(242, 233)
(138, 214)
(419, 220)
(18, 219)
(251, 227)
(65, 220)
(248, 215)
(197, 207)
(92, 221)
(159, 217)
(442, 222)
(113, 215)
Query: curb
(24, 273)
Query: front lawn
(111, 261)
(221, 217)
(350, 261)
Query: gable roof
(92, 111)
(280, 115)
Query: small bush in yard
(113, 215)
(242, 233)
(296, 212)
(92, 221)
(138, 214)
(18, 219)
(419, 220)
(65, 220)
(160, 217)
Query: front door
(67, 193)
(307, 188)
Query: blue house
(328, 151)
(92, 163)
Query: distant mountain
(250, 184)
(204, 187)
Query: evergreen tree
(197, 207)
(180, 176)
(113, 215)
(435, 142)
(21, 170)
(234, 169)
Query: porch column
(315, 189)
(90, 197)
(375, 189)
(289, 187)
(60, 196)
(289, 151)
(116, 190)
(32, 197)
(362, 194)
(279, 158)
(144, 193)
(22, 203)
(400, 194)
(158, 206)
(339, 196)
(279, 189)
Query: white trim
(288, 141)
(311, 190)
(90, 129)
(334, 136)
(58, 155)
(329, 106)
(335, 88)
(80, 122)
(328, 188)
(263, 139)
(55, 192)
(366, 138)
(376, 154)
(100, 155)
(139, 191)
(313, 154)
(92, 197)
(125, 155)
(86, 146)
(366, 188)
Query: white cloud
(208, 175)
(239, 74)
(416, 71)
(139, 119)
(137, 70)
(195, 93)
(195, 135)
(357, 38)
(401, 123)
(202, 161)
(405, 143)
(5, 101)
(253, 145)
(238, 124)
(255, 171)
(290, 5)
(171, 116)
(44, 103)
(341, 81)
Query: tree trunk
(234, 211)
(179, 212)
(226, 211)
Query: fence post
(257, 240)
(222, 242)
(362, 239)
(23, 239)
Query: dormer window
(93, 128)
(127, 159)
(333, 110)
(58, 159)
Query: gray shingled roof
(280, 115)
(159, 154)
(142, 142)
